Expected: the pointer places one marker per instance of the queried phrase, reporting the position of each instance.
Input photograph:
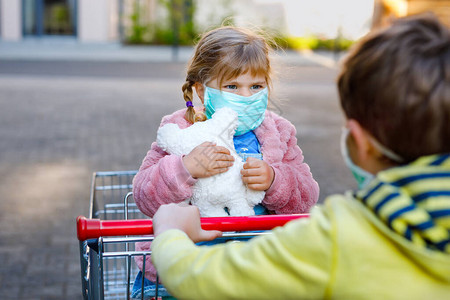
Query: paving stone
(10, 291)
(73, 291)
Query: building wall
(11, 20)
(94, 20)
(97, 20)
(113, 21)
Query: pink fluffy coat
(162, 178)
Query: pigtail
(191, 115)
(188, 97)
(200, 117)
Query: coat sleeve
(294, 262)
(161, 179)
(294, 189)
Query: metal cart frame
(115, 224)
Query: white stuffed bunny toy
(225, 190)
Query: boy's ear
(363, 150)
(200, 90)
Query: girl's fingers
(252, 163)
(208, 235)
(250, 172)
(224, 157)
(252, 180)
(216, 171)
(217, 152)
(220, 149)
(215, 149)
(257, 186)
(222, 164)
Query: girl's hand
(207, 160)
(183, 217)
(257, 174)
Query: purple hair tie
(189, 104)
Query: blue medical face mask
(362, 176)
(250, 110)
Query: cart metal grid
(111, 197)
(106, 262)
(115, 224)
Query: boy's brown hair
(396, 84)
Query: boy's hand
(207, 160)
(257, 174)
(183, 217)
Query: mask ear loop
(386, 152)
(362, 176)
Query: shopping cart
(108, 236)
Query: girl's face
(243, 85)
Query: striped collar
(414, 200)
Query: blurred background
(84, 85)
(295, 23)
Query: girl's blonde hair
(225, 53)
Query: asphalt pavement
(67, 110)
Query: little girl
(230, 67)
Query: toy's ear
(167, 137)
(226, 120)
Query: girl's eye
(256, 87)
(231, 87)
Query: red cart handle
(95, 228)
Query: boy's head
(396, 84)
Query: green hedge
(182, 13)
(313, 43)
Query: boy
(391, 238)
